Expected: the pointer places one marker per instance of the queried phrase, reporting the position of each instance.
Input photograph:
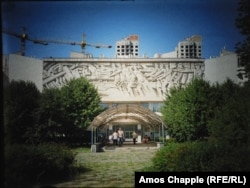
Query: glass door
(128, 130)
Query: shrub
(201, 156)
(164, 160)
(28, 165)
(21, 100)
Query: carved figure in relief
(142, 82)
(131, 82)
(117, 79)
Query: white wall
(27, 69)
(172, 54)
(218, 69)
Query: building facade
(132, 89)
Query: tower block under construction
(128, 47)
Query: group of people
(118, 137)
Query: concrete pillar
(139, 140)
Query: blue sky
(160, 24)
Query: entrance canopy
(127, 114)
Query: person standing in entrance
(134, 135)
(120, 136)
(145, 139)
(115, 137)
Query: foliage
(231, 123)
(21, 100)
(186, 111)
(227, 146)
(49, 118)
(27, 165)
(57, 115)
(65, 113)
(34, 117)
(164, 159)
(80, 102)
(201, 156)
(243, 24)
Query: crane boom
(25, 37)
(82, 44)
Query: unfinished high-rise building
(190, 47)
(128, 47)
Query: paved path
(115, 167)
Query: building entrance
(128, 130)
(129, 117)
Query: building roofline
(124, 59)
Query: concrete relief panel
(123, 81)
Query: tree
(65, 113)
(231, 123)
(227, 123)
(49, 117)
(80, 102)
(187, 110)
(21, 100)
(243, 24)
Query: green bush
(21, 101)
(201, 156)
(29, 165)
(164, 160)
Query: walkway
(114, 167)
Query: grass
(113, 168)
(82, 150)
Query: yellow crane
(24, 37)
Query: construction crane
(24, 37)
